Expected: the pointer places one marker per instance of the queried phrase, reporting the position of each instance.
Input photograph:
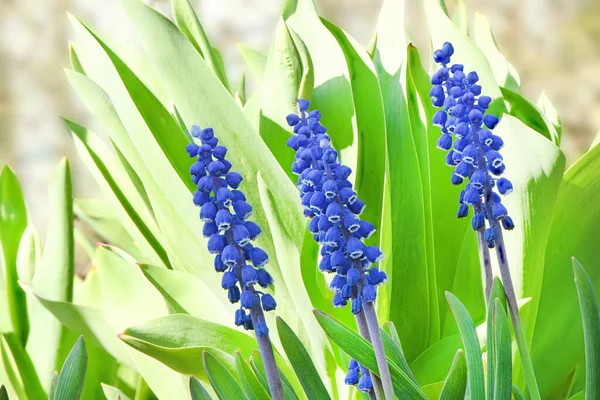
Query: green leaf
(517, 393)
(71, 378)
(497, 292)
(108, 175)
(301, 362)
(3, 393)
(25, 368)
(433, 364)
(13, 221)
(471, 347)
(252, 386)
(455, 384)
(187, 21)
(289, 392)
(112, 393)
(29, 254)
(502, 353)
(393, 348)
(184, 293)
(370, 124)
(528, 112)
(74, 58)
(557, 352)
(362, 351)
(178, 341)
(197, 390)
(226, 386)
(54, 275)
(255, 60)
(591, 330)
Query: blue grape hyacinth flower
(225, 213)
(472, 148)
(333, 208)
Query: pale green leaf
(112, 393)
(24, 367)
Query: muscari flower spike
(472, 148)
(333, 208)
(225, 213)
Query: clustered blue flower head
(333, 208)
(473, 150)
(225, 213)
(358, 375)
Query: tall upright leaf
(591, 330)
(455, 384)
(70, 381)
(13, 221)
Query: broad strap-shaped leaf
(574, 231)
(362, 351)
(187, 21)
(197, 390)
(471, 346)
(250, 383)
(393, 348)
(502, 353)
(255, 60)
(433, 364)
(455, 384)
(226, 386)
(590, 314)
(13, 222)
(301, 362)
(71, 378)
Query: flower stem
(363, 329)
(507, 280)
(266, 352)
(484, 256)
(514, 312)
(375, 334)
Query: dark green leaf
(197, 390)
(259, 370)
(497, 292)
(301, 362)
(472, 347)
(3, 393)
(455, 385)
(71, 378)
(252, 386)
(517, 393)
(591, 330)
(225, 385)
(362, 351)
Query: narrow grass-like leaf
(187, 21)
(25, 368)
(74, 58)
(226, 386)
(87, 142)
(197, 390)
(362, 351)
(252, 386)
(13, 221)
(71, 378)
(455, 384)
(591, 330)
(393, 348)
(301, 362)
(502, 353)
(497, 292)
(472, 347)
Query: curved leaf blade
(71, 378)
(226, 386)
(472, 347)
(197, 390)
(455, 385)
(250, 383)
(502, 353)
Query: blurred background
(554, 45)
